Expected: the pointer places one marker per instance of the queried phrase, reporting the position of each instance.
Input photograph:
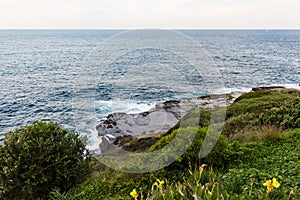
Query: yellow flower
(134, 194)
(159, 184)
(275, 183)
(271, 184)
(201, 168)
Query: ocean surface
(46, 74)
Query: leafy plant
(191, 156)
(41, 157)
(285, 116)
(264, 144)
(263, 108)
(277, 158)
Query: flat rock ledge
(147, 126)
(159, 119)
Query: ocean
(47, 74)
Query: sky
(132, 14)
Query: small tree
(41, 157)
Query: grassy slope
(276, 158)
(269, 149)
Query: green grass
(259, 142)
(259, 161)
(274, 158)
(267, 108)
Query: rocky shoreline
(149, 126)
(124, 129)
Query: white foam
(110, 136)
(231, 90)
(93, 140)
(127, 106)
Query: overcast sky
(197, 14)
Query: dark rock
(109, 126)
(267, 88)
(161, 118)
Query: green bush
(253, 95)
(200, 118)
(237, 123)
(263, 108)
(285, 116)
(258, 102)
(191, 156)
(41, 157)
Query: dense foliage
(277, 157)
(256, 157)
(41, 157)
(215, 158)
(259, 144)
(285, 116)
(263, 108)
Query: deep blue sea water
(41, 69)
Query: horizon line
(67, 28)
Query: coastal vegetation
(39, 158)
(257, 156)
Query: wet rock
(161, 118)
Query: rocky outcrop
(159, 119)
(135, 132)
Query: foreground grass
(260, 143)
(261, 161)
(275, 158)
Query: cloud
(153, 14)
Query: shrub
(111, 184)
(253, 95)
(259, 102)
(285, 116)
(41, 157)
(263, 108)
(191, 156)
(200, 118)
(235, 124)
(262, 133)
